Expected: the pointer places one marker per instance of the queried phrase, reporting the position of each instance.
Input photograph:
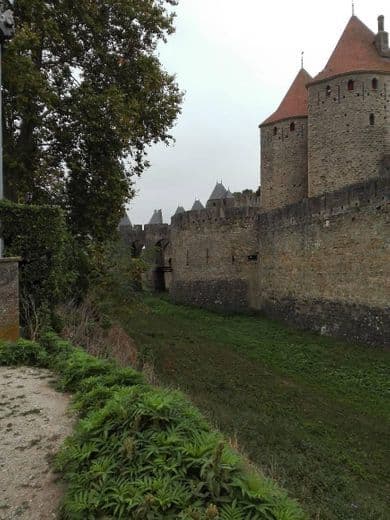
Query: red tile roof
(355, 52)
(294, 103)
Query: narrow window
(253, 258)
(372, 119)
(351, 84)
(292, 127)
(207, 256)
(328, 90)
(275, 130)
(374, 84)
(187, 259)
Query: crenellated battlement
(214, 216)
(351, 198)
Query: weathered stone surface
(9, 299)
(354, 322)
(322, 263)
(220, 295)
(344, 148)
(283, 163)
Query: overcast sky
(235, 61)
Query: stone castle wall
(214, 256)
(283, 162)
(321, 263)
(9, 299)
(324, 263)
(344, 146)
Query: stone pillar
(9, 299)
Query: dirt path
(33, 424)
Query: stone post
(9, 299)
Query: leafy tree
(85, 96)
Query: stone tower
(284, 148)
(348, 109)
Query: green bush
(23, 353)
(38, 235)
(143, 452)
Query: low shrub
(146, 453)
(23, 353)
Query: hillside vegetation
(142, 452)
(311, 411)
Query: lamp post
(7, 29)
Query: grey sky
(235, 61)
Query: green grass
(311, 411)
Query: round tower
(284, 148)
(347, 106)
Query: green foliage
(115, 278)
(39, 236)
(84, 97)
(23, 353)
(142, 452)
(312, 411)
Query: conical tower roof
(179, 210)
(229, 194)
(294, 103)
(156, 217)
(355, 52)
(124, 221)
(197, 206)
(219, 192)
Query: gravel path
(33, 424)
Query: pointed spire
(294, 103)
(219, 192)
(179, 210)
(353, 8)
(156, 217)
(197, 206)
(302, 56)
(124, 221)
(355, 52)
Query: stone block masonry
(9, 299)
(324, 263)
(348, 130)
(321, 264)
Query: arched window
(372, 119)
(275, 130)
(374, 84)
(292, 127)
(328, 90)
(351, 84)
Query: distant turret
(179, 210)
(197, 206)
(156, 217)
(124, 221)
(220, 196)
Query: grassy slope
(312, 412)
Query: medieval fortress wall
(316, 251)
(321, 263)
(214, 258)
